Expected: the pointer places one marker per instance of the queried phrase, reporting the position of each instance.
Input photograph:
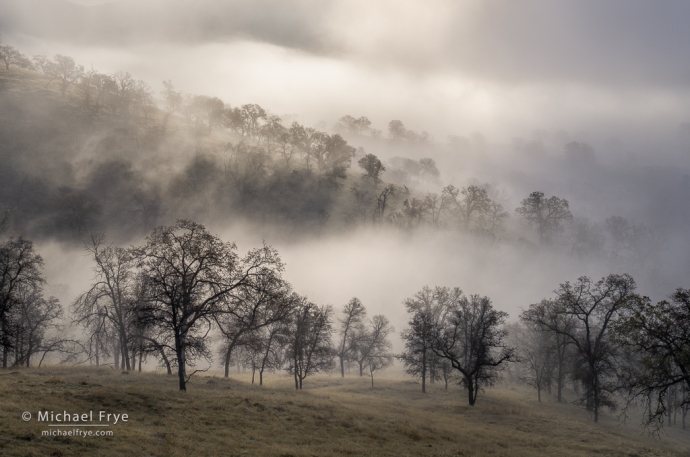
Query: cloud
(293, 24)
(587, 41)
(447, 67)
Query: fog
(445, 67)
(513, 82)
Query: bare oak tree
(473, 340)
(189, 275)
(310, 347)
(350, 332)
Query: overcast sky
(500, 67)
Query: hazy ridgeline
(353, 211)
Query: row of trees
(166, 298)
(475, 209)
(611, 344)
(29, 321)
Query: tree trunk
(227, 362)
(165, 360)
(181, 361)
(342, 367)
(560, 381)
(424, 371)
(116, 356)
(295, 373)
(261, 377)
(470, 392)
(361, 369)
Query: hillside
(123, 161)
(331, 417)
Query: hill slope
(331, 417)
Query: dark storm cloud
(293, 24)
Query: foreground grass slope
(332, 417)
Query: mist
(445, 68)
(500, 92)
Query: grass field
(331, 417)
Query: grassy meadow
(331, 417)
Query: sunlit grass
(332, 416)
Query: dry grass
(331, 417)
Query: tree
(104, 85)
(658, 339)
(373, 348)
(350, 331)
(10, 56)
(273, 339)
(310, 348)
(396, 130)
(263, 300)
(472, 339)
(549, 316)
(61, 68)
(632, 245)
(20, 269)
(473, 209)
(579, 152)
(535, 351)
(427, 309)
(188, 276)
(331, 153)
(31, 318)
(111, 298)
(382, 202)
(355, 126)
(79, 210)
(123, 91)
(428, 170)
(546, 214)
(205, 110)
(173, 99)
(372, 167)
(251, 114)
(594, 308)
(413, 212)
